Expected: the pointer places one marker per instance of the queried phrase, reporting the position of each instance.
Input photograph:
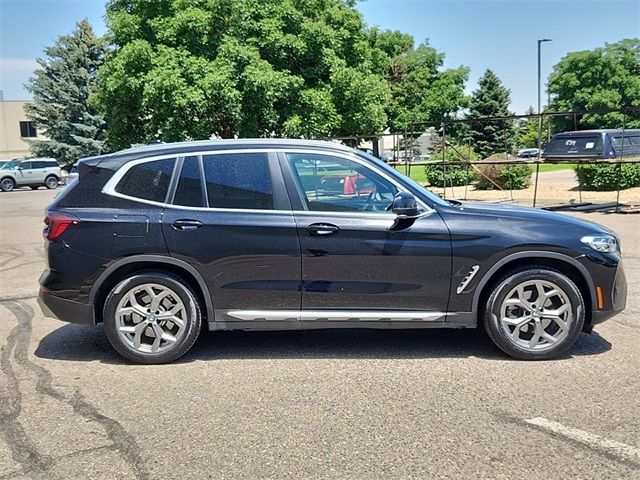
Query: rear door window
(148, 180)
(238, 180)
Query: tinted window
(189, 189)
(239, 180)
(337, 184)
(28, 130)
(26, 165)
(588, 145)
(148, 181)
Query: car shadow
(83, 343)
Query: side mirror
(405, 205)
(21, 168)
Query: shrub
(516, 177)
(453, 175)
(605, 177)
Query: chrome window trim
(109, 187)
(354, 158)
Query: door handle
(322, 229)
(186, 225)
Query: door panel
(249, 257)
(355, 256)
(367, 264)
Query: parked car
(152, 242)
(594, 144)
(73, 173)
(528, 153)
(33, 172)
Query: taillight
(57, 223)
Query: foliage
(193, 69)
(60, 89)
(604, 78)
(421, 90)
(527, 132)
(490, 99)
(439, 175)
(491, 176)
(606, 177)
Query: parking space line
(619, 449)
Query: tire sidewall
(181, 289)
(46, 182)
(504, 286)
(2, 184)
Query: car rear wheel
(7, 184)
(152, 317)
(534, 313)
(51, 182)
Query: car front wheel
(6, 185)
(535, 313)
(152, 317)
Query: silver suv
(34, 173)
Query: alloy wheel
(151, 318)
(6, 185)
(536, 315)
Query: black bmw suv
(154, 242)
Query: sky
(497, 34)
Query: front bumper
(65, 310)
(616, 298)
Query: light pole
(540, 42)
(535, 186)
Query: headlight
(601, 243)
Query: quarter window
(148, 180)
(189, 189)
(336, 184)
(238, 180)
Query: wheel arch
(563, 263)
(129, 265)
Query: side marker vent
(467, 279)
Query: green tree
(192, 69)
(600, 79)
(527, 131)
(490, 99)
(61, 89)
(421, 91)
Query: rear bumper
(65, 310)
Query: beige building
(15, 128)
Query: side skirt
(317, 320)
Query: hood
(534, 215)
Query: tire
(34, 187)
(534, 313)
(7, 184)
(51, 182)
(135, 336)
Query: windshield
(12, 165)
(430, 196)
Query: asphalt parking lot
(324, 404)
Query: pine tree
(491, 99)
(61, 89)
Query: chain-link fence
(522, 158)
